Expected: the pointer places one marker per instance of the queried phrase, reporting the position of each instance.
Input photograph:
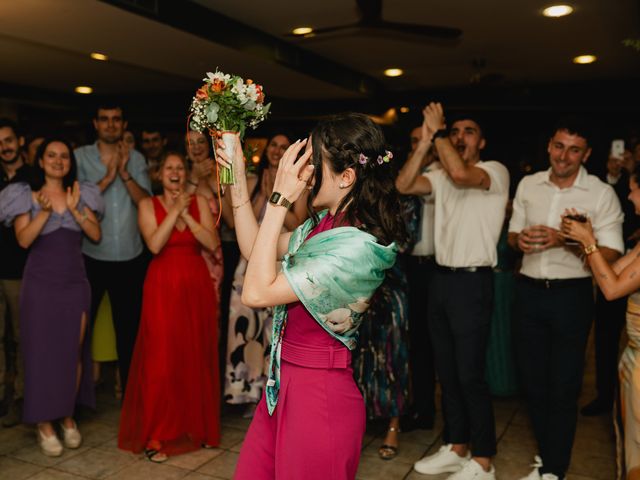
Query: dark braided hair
(373, 204)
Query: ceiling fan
(371, 22)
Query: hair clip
(362, 159)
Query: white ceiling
(45, 44)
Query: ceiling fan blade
(421, 30)
(320, 31)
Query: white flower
(249, 105)
(212, 112)
(217, 76)
(252, 93)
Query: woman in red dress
(172, 400)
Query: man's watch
(279, 200)
(442, 133)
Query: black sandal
(155, 456)
(388, 452)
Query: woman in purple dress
(50, 217)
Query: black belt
(554, 283)
(442, 268)
(420, 259)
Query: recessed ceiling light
(404, 109)
(83, 89)
(556, 11)
(99, 56)
(584, 59)
(302, 30)
(393, 72)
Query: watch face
(275, 197)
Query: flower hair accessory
(363, 159)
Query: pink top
(302, 328)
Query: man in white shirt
(470, 198)
(420, 264)
(554, 293)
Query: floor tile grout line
(435, 440)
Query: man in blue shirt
(117, 264)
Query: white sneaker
(473, 471)
(535, 473)
(71, 436)
(49, 446)
(444, 461)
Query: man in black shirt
(12, 260)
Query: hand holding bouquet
(227, 104)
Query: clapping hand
(203, 169)
(433, 120)
(181, 200)
(44, 202)
(73, 197)
(123, 158)
(294, 175)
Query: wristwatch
(589, 249)
(279, 200)
(442, 133)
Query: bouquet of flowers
(227, 104)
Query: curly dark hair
(373, 204)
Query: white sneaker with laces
(473, 471)
(535, 473)
(444, 461)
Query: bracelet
(235, 207)
(191, 183)
(589, 249)
(83, 218)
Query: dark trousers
(123, 282)
(609, 322)
(460, 307)
(423, 375)
(552, 327)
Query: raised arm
(244, 221)
(460, 172)
(263, 285)
(409, 180)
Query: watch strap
(280, 200)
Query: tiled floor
(99, 458)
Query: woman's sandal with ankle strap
(388, 452)
(155, 456)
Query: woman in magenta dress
(51, 216)
(311, 419)
(172, 399)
